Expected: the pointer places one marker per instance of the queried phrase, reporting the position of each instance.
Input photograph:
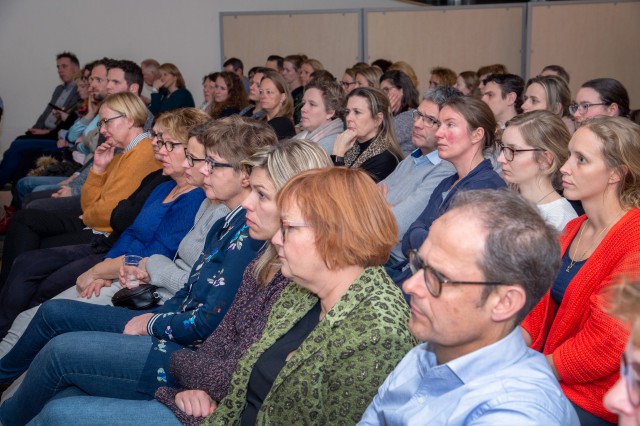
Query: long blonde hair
(281, 162)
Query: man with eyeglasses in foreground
(484, 265)
(408, 188)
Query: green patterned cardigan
(337, 370)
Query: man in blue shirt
(484, 265)
(408, 188)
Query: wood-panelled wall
(590, 39)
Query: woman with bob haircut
(322, 107)
(277, 104)
(466, 132)
(172, 93)
(532, 150)
(601, 96)
(342, 320)
(229, 96)
(112, 178)
(582, 343)
(204, 374)
(549, 93)
(133, 348)
(403, 97)
(154, 225)
(369, 142)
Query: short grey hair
(439, 95)
(520, 248)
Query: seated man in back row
(485, 264)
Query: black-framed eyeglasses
(633, 386)
(434, 279)
(286, 224)
(510, 153)
(583, 107)
(169, 145)
(427, 120)
(191, 160)
(104, 121)
(347, 83)
(212, 164)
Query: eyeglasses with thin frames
(583, 108)
(286, 224)
(212, 164)
(631, 377)
(427, 120)
(435, 279)
(510, 153)
(104, 121)
(347, 83)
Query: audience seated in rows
(159, 226)
(527, 151)
(185, 320)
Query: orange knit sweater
(102, 192)
(586, 343)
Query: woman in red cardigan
(581, 342)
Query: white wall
(183, 32)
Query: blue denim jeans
(98, 411)
(98, 363)
(30, 184)
(70, 357)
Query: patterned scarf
(354, 158)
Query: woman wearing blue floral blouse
(128, 356)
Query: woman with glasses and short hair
(601, 96)
(580, 341)
(132, 348)
(204, 374)
(532, 150)
(152, 223)
(277, 104)
(113, 177)
(369, 142)
(341, 322)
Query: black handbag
(142, 297)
